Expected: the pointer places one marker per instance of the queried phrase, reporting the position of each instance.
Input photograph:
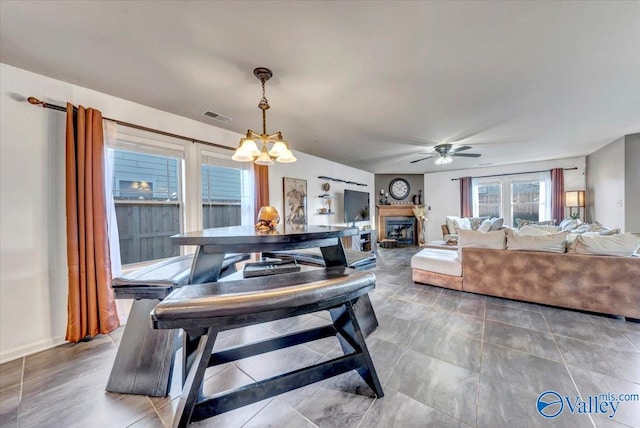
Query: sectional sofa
(603, 284)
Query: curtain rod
(35, 101)
(515, 173)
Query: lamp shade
(264, 158)
(278, 148)
(241, 156)
(574, 198)
(286, 157)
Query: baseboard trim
(23, 351)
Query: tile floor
(446, 359)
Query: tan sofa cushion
(552, 242)
(623, 244)
(473, 238)
(441, 261)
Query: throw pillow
(581, 229)
(567, 221)
(521, 222)
(546, 228)
(451, 225)
(569, 224)
(485, 226)
(608, 232)
(472, 238)
(475, 222)
(497, 223)
(462, 223)
(598, 227)
(622, 244)
(530, 230)
(551, 243)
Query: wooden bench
(144, 361)
(313, 256)
(204, 310)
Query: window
(148, 198)
(221, 196)
(525, 200)
(525, 197)
(225, 188)
(487, 198)
(163, 185)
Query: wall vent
(216, 116)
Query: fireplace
(402, 229)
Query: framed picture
(295, 200)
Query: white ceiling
(368, 84)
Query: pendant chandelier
(248, 151)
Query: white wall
(606, 185)
(33, 268)
(309, 167)
(632, 183)
(443, 195)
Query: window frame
(190, 155)
(506, 194)
(476, 183)
(203, 151)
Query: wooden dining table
(212, 244)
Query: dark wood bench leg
(352, 338)
(193, 384)
(334, 256)
(144, 361)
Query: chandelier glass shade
(248, 150)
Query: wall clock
(399, 188)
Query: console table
(364, 240)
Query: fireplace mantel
(393, 210)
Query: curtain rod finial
(35, 101)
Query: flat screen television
(356, 206)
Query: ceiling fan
(443, 154)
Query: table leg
(206, 267)
(334, 255)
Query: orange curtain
(91, 307)
(261, 173)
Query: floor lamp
(574, 199)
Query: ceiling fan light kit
(443, 160)
(248, 151)
(443, 154)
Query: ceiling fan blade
(459, 149)
(418, 160)
(466, 155)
